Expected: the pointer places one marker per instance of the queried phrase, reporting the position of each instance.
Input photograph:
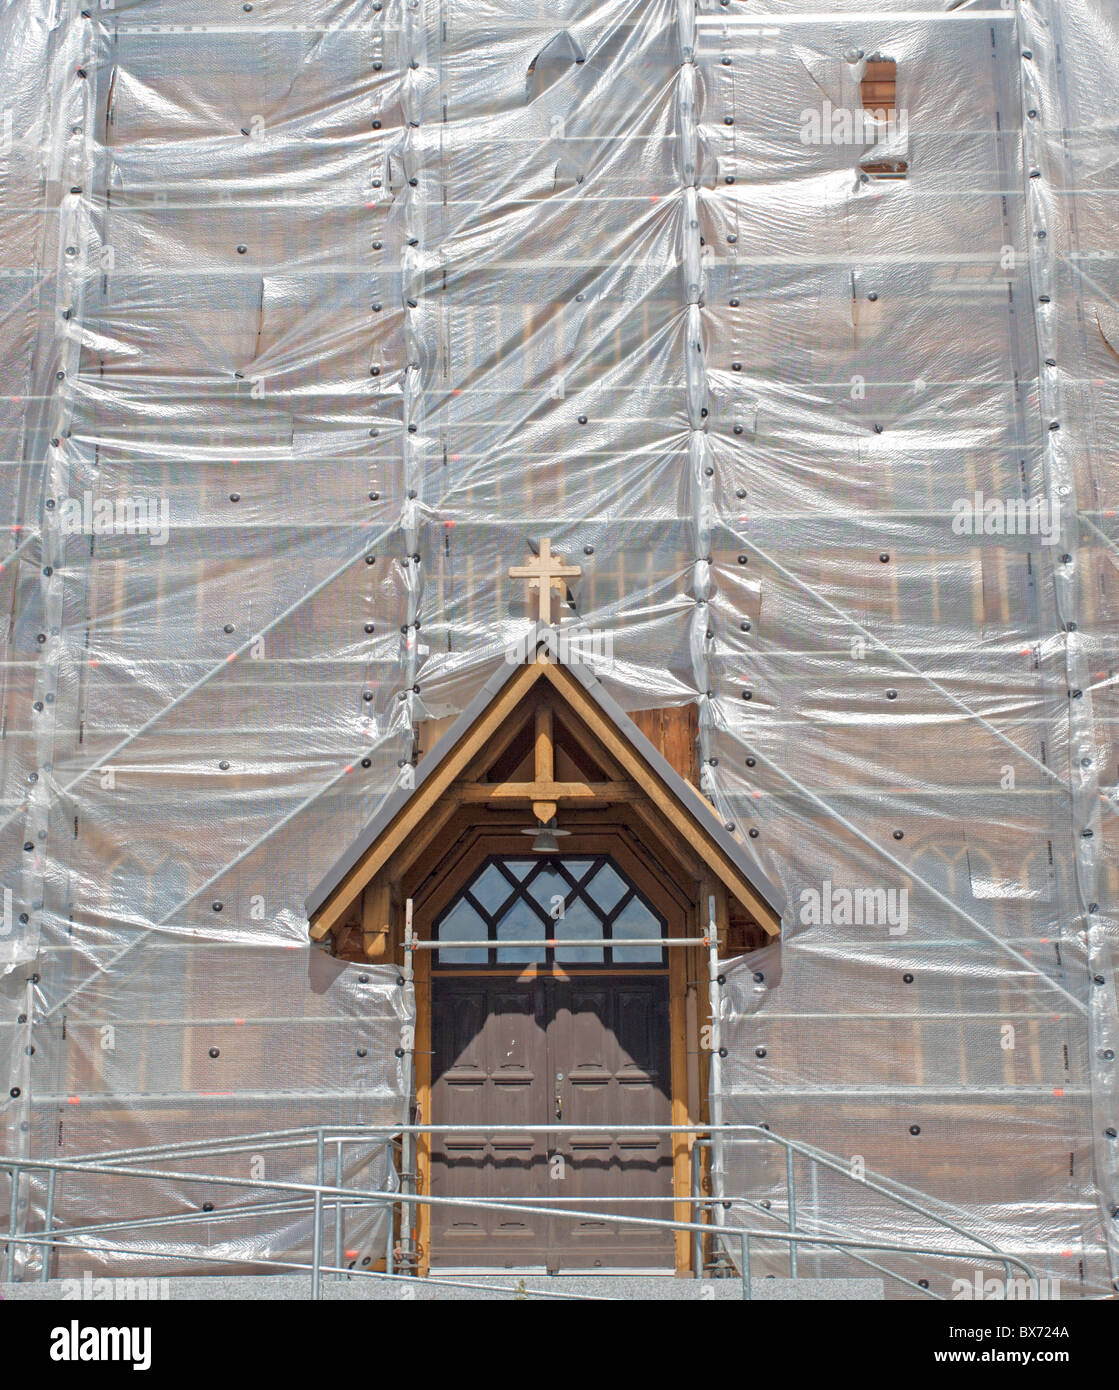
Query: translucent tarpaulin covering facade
(313, 312)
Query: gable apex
(545, 655)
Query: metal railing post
(697, 1198)
(408, 1145)
(791, 1192)
(48, 1226)
(316, 1236)
(339, 1178)
(390, 1263)
(13, 1216)
(746, 1291)
(715, 1001)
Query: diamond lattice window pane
(607, 888)
(635, 919)
(577, 923)
(491, 888)
(550, 889)
(462, 923)
(521, 923)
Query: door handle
(559, 1095)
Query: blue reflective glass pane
(550, 889)
(492, 888)
(521, 923)
(635, 919)
(607, 888)
(462, 923)
(579, 923)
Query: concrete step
(484, 1287)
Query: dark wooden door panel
(489, 1067)
(590, 1050)
(614, 1034)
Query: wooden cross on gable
(546, 572)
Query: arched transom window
(527, 898)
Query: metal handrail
(382, 1136)
(269, 1139)
(319, 1192)
(699, 1201)
(389, 1134)
(823, 1159)
(341, 1271)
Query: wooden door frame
(679, 905)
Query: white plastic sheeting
(314, 313)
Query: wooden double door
(540, 1047)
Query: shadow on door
(544, 1047)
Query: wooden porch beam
(545, 791)
(376, 919)
(543, 806)
(436, 821)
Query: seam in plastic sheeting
(67, 111)
(695, 372)
(62, 133)
(1070, 431)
